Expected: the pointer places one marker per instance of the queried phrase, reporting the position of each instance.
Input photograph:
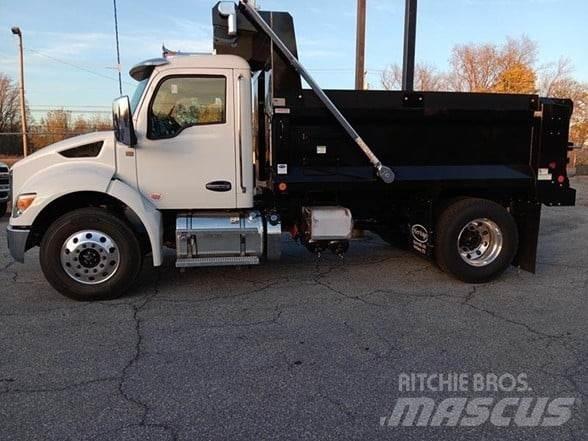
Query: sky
(70, 47)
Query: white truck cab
(192, 119)
(184, 161)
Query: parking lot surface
(304, 349)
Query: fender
(66, 178)
(61, 179)
(150, 217)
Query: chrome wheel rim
(90, 257)
(480, 242)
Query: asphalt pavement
(303, 349)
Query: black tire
(129, 251)
(3, 208)
(450, 225)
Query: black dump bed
(404, 130)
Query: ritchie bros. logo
(517, 409)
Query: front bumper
(17, 242)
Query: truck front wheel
(90, 254)
(476, 240)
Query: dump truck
(218, 155)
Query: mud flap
(421, 228)
(528, 218)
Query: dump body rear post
(217, 155)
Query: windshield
(136, 98)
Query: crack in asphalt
(56, 389)
(137, 351)
(125, 374)
(134, 360)
(470, 295)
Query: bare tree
(427, 78)
(553, 74)
(10, 140)
(59, 124)
(9, 105)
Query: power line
(45, 110)
(68, 63)
(344, 70)
(50, 133)
(70, 106)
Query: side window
(182, 102)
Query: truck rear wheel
(476, 240)
(90, 254)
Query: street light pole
(360, 46)
(23, 112)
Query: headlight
(23, 202)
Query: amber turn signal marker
(25, 201)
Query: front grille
(3, 169)
(3, 195)
(4, 180)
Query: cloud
(62, 44)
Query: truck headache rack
(228, 10)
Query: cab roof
(144, 69)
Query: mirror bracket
(229, 11)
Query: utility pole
(118, 67)
(23, 112)
(410, 24)
(360, 46)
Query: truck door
(186, 154)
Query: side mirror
(228, 10)
(122, 119)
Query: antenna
(117, 49)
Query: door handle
(219, 186)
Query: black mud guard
(528, 218)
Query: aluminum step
(217, 261)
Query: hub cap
(480, 242)
(90, 257)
